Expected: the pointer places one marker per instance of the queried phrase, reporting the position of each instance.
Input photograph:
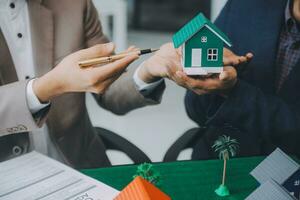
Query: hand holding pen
(108, 59)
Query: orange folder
(140, 189)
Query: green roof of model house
(191, 28)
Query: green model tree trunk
(225, 158)
(226, 148)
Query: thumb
(228, 74)
(224, 76)
(98, 50)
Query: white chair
(117, 10)
(216, 7)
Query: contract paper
(37, 177)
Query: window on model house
(212, 54)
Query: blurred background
(148, 24)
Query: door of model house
(196, 57)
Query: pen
(108, 59)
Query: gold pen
(108, 59)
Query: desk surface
(190, 180)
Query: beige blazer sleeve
(15, 114)
(122, 96)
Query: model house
(202, 46)
(282, 169)
(270, 190)
(140, 189)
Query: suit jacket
(60, 27)
(259, 117)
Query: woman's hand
(67, 76)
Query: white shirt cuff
(33, 102)
(142, 86)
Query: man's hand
(219, 83)
(166, 63)
(67, 76)
(216, 83)
(231, 59)
(160, 64)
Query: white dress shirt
(14, 23)
(142, 86)
(15, 26)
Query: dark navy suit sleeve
(252, 111)
(247, 108)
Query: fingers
(242, 59)
(249, 56)
(110, 70)
(230, 60)
(228, 74)
(224, 76)
(236, 60)
(179, 51)
(184, 81)
(246, 58)
(193, 84)
(180, 78)
(167, 46)
(102, 86)
(131, 49)
(224, 80)
(97, 51)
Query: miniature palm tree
(147, 172)
(226, 148)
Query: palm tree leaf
(224, 145)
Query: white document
(37, 177)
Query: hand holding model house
(203, 53)
(199, 62)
